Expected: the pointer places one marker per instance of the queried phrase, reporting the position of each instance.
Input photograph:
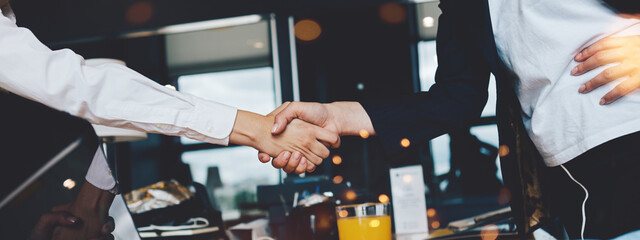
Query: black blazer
(466, 56)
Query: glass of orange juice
(367, 221)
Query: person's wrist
(262, 132)
(350, 118)
(340, 116)
(251, 129)
(92, 200)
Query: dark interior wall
(358, 47)
(64, 20)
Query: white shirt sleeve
(108, 94)
(99, 174)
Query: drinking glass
(367, 221)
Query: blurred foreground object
(158, 195)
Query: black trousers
(611, 174)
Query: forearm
(105, 94)
(350, 118)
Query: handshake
(298, 135)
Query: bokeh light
(69, 184)
(431, 212)
(392, 13)
(374, 223)
(435, 224)
(351, 195)
(338, 179)
(364, 134)
(405, 142)
(383, 198)
(489, 232)
(503, 150)
(428, 22)
(139, 13)
(337, 160)
(307, 30)
(407, 178)
(343, 213)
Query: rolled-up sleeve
(107, 94)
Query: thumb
(264, 157)
(285, 116)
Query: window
(231, 65)
(248, 89)
(440, 149)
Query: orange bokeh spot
(383, 198)
(139, 13)
(364, 134)
(431, 212)
(338, 179)
(392, 13)
(435, 224)
(351, 195)
(405, 142)
(307, 30)
(503, 150)
(337, 160)
(343, 213)
(489, 232)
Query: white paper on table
(408, 200)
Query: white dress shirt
(108, 94)
(538, 40)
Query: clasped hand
(338, 119)
(303, 142)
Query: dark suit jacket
(467, 55)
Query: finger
(603, 44)
(599, 59)
(620, 90)
(285, 116)
(606, 76)
(293, 162)
(310, 167)
(327, 136)
(320, 151)
(282, 160)
(302, 167)
(108, 226)
(54, 219)
(263, 157)
(48, 221)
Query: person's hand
(43, 230)
(254, 130)
(91, 206)
(314, 113)
(622, 50)
(344, 118)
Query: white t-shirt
(108, 94)
(538, 40)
